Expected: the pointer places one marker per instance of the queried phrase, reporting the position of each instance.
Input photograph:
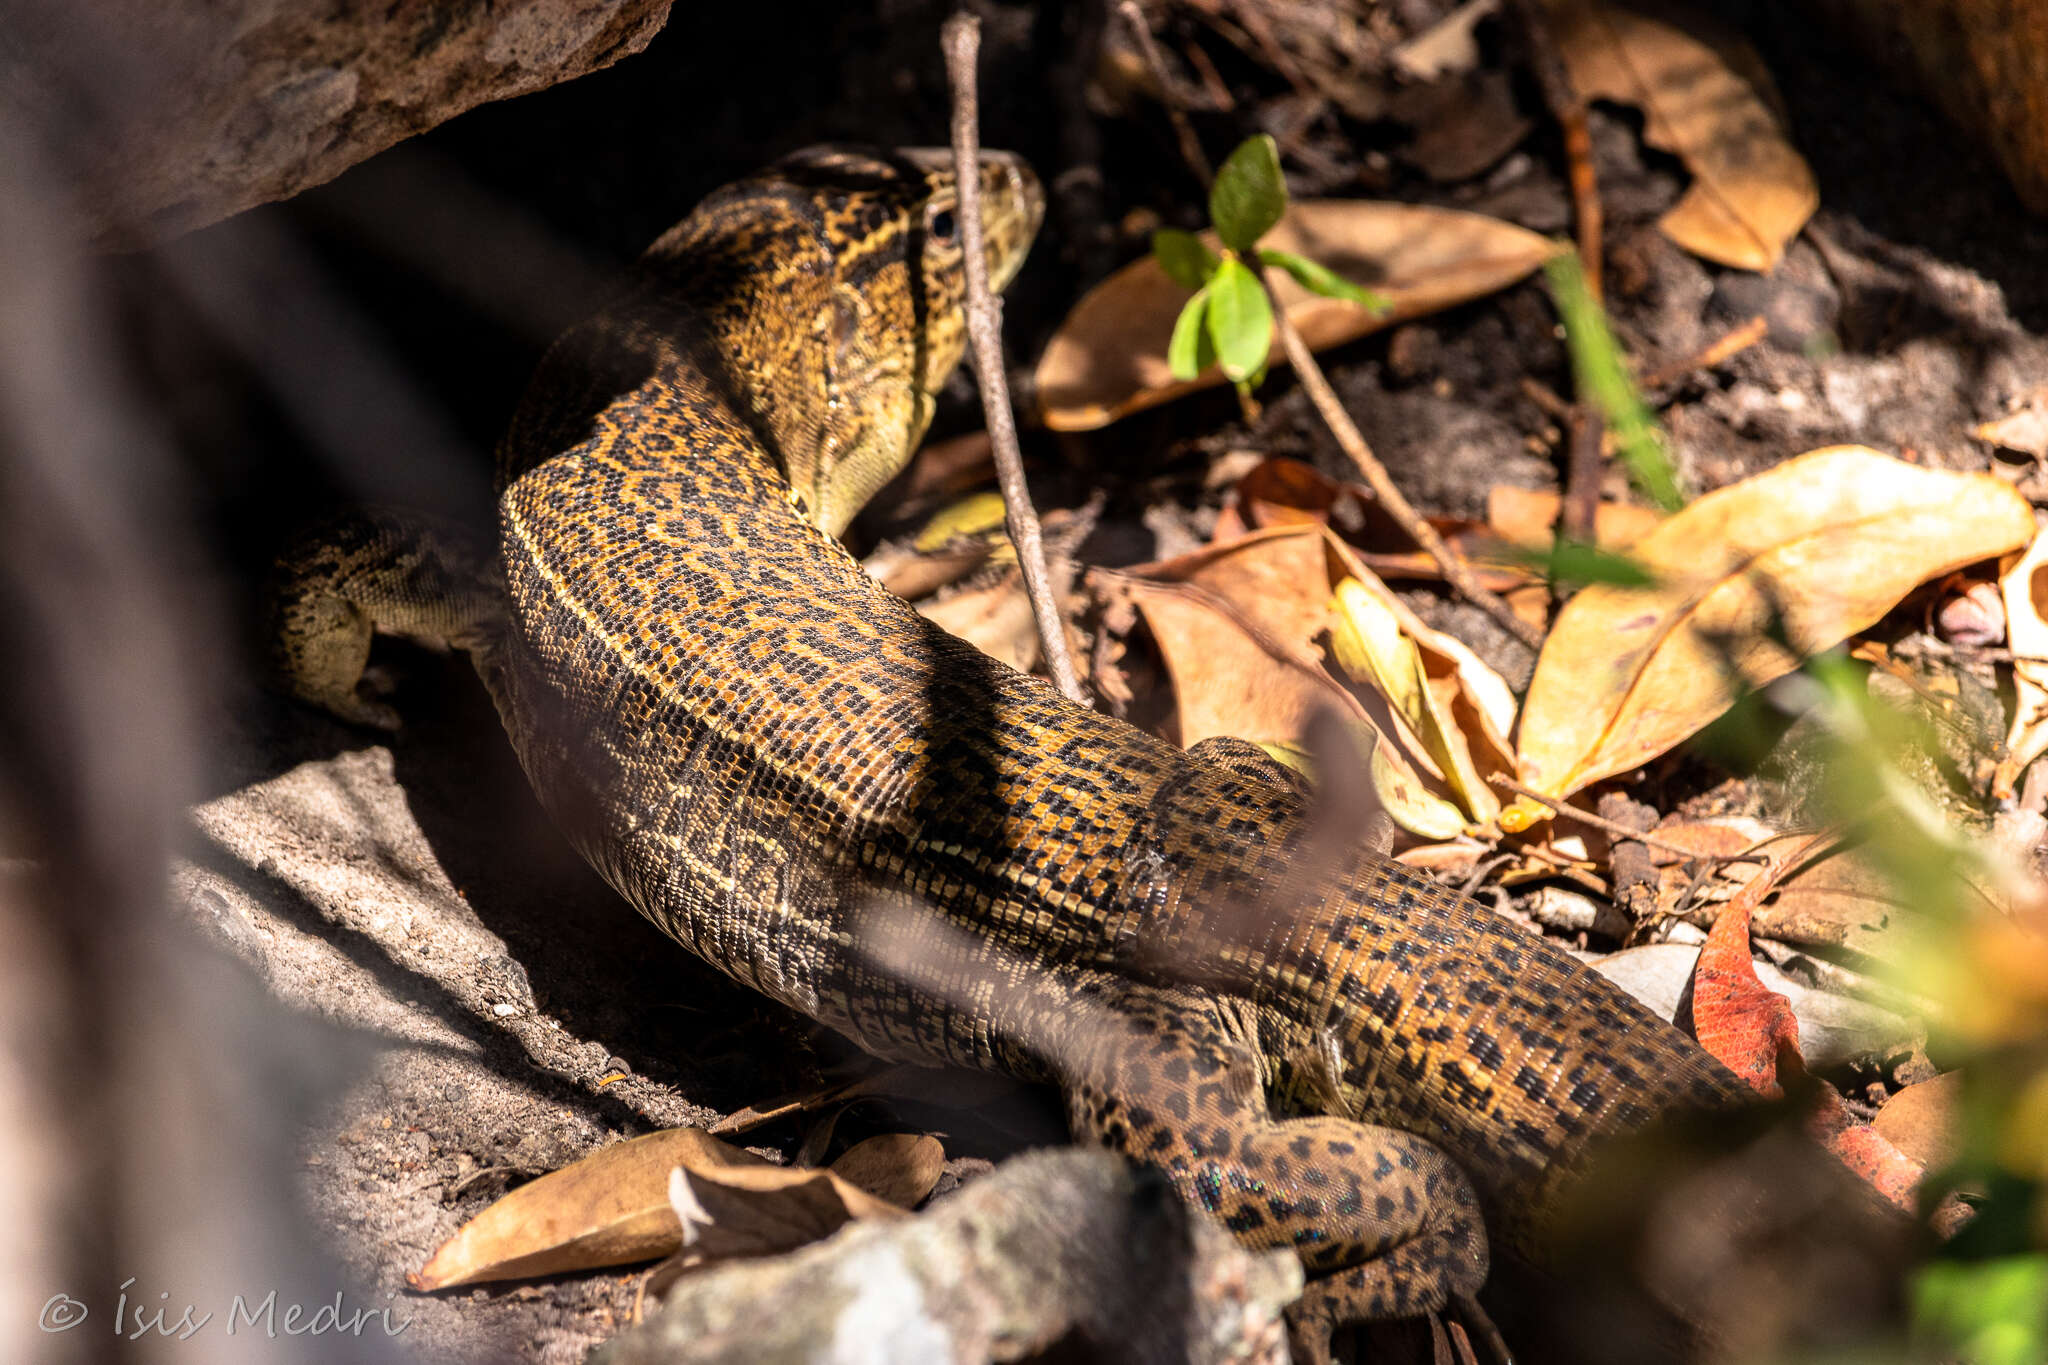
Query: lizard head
(837, 280)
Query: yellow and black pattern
(815, 789)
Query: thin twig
(1579, 511)
(1615, 827)
(1148, 47)
(1548, 399)
(961, 37)
(1457, 572)
(1546, 63)
(1737, 338)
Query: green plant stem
(1455, 570)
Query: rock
(1054, 1247)
(161, 118)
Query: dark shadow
(1890, 162)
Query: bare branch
(962, 40)
(1457, 572)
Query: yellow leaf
(1369, 644)
(1832, 540)
(1476, 705)
(974, 516)
(1108, 358)
(1235, 625)
(1409, 801)
(1712, 105)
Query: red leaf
(1755, 1034)
(1733, 1016)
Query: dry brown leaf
(1237, 625)
(1283, 492)
(1710, 103)
(1840, 901)
(1845, 901)
(2025, 429)
(1234, 624)
(1527, 517)
(2024, 587)
(1831, 540)
(1925, 1120)
(898, 1167)
(996, 620)
(1108, 358)
(725, 1212)
(1446, 48)
(610, 1208)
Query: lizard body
(834, 801)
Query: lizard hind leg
(1385, 1223)
(399, 572)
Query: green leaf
(1320, 279)
(1183, 257)
(1189, 353)
(1249, 196)
(1989, 1312)
(1604, 379)
(1240, 320)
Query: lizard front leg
(1384, 1221)
(400, 572)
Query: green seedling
(1229, 321)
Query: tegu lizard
(832, 800)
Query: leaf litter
(1282, 617)
(678, 1192)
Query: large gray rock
(163, 117)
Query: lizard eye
(942, 225)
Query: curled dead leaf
(724, 1212)
(1826, 544)
(1108, 358)
(1237, 625)
(900, 1168)
(610, 1208)
(1712, 104)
